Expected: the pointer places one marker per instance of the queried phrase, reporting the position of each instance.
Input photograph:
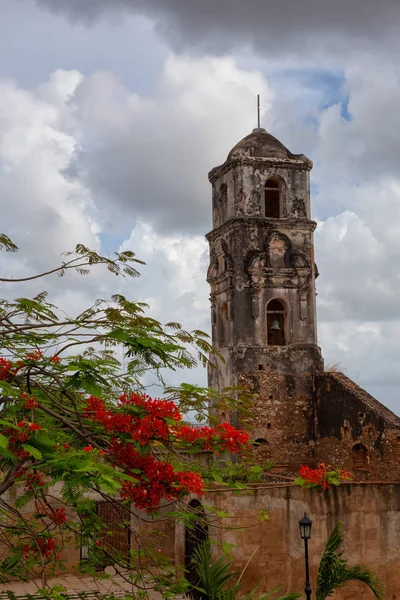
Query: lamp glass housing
(305, 525)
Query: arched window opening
(196, 533)
(360, 457)
(223, 324)
(260, 442)
(261, 448)
(276, 323)
(272, 199)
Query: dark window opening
(272, 199)
(276, 323)
(360, 457)
(195, 534)
(223, 192)
(223, 324)
(261, 448)
(260, 442)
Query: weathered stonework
(355, 430)
(261, 256)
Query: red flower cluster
(226, 435)
(153, 422)
(156, 421)
(57, 515)
(35, 355)
(149, 422)
(323, 476)
(34, 427)
(34, 480)
(155, 479)
(45, 546)
(6, 368)
(16, 438)
(30, 401)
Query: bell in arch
(275, 325)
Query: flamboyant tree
(76, 426)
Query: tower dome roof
(260, 144)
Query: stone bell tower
(262, 273)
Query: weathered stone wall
(311, 418)
(370, 514)
(356, 431)
(282, 415)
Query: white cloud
(45, 212)
(82, 158)
(149, 158)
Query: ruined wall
(371, 517)
(356, 431)
(281, 418)
(309, 418)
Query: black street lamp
(305, 525)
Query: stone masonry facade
(263, 312)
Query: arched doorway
(195, 535)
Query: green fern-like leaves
(334, 571)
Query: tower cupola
(262, 272)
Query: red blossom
(55, 359)
(34, 480)
(35, 355)
(88, 448)
(57, 515)
(31, 402)
(6, 368)
(322, 476)
(155, 421)
(34, 427)
(155, 479)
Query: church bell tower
(262, 272)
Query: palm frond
(215, 578)
(334, 572)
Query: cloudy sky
(112, 112)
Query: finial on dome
(258, 112)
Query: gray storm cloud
(218, 25)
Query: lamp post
(305, 525)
